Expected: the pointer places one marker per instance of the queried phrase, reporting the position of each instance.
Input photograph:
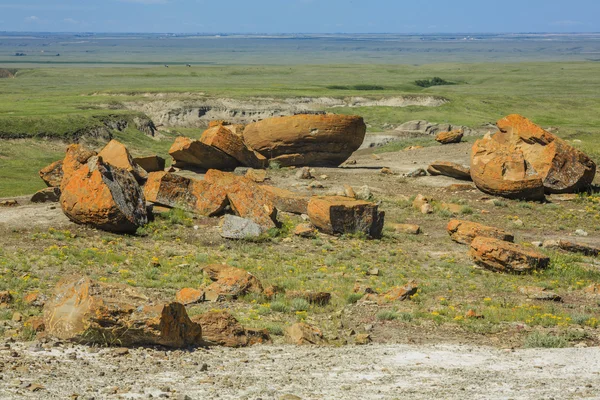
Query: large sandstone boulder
(499, 255)
(192, 195)
(52, 174)
(246, 197)
(87, 311)
(233, 145)
(189, 153)
(465, 231)
(337, 214)
(103, 196)
(503, 171)
(313, 140)
(116, 154)
(561, 167)
(230, 281)
(288, 201)
(447, 168)
(75, 157)
(301, 334)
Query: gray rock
(234, 227)
(581, 232)
(364, 193)
(46, 195)
(421, 127)
(416, 172)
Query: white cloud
(70, 21)
(145, 1)
(567, 22)
(32, 18)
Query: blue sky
(300, 16)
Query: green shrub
(436, 81)
(544, 340)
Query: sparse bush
(299, 304)
(544, 340)
(279, 306)
(387, 315)
(353, 298)
(436, 81)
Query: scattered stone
(170, 190)
(502, 256)
(318, 298)
(362, 339)
(593, 289)
(230, 281)
(585, 249)
(564, 197)
(36, 324)
(581, 232)
(117, 155)
(539, 293)
(386, 171)
(537, 244)
(340, 215)
(47, 195)
(304, 173)
(450, 169)
(233, 145)
(286, 200)
(187, 296)
(416, 173)
(472, 314)
(52, 174)
(87, 311)
(120, 352)
(234, 227)
(518, 222)
(305, 230)
(465, 231)
(103, 196)
(323, 177)
(256, 175)
(413, 148)
(17, 317)
(364, 193)
(151, 163)
(247, 199)
(5, 297)
(307, 140)
(454, 136)
(302, 333)
(410, 229)
(349, 192)
(189, 153)
(422, 204)
(315, 185)
(9, 203)
(35, 298)
(222, 329)
(451, 208)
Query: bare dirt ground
(59, 371)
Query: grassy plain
(553, 83)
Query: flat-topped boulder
(450, 169)
(340, 215)
(170, 190)
(103, 196)
(465, 231)
(447, 137)
(189, 153)
(499, 255)
(307, 140)
(233, 145)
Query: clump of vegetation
(356, 87)
(545, 340)
(436, 81)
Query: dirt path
(270, 372)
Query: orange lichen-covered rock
(450, 169)
(337, 214)
(196, 196)
(104, 196)
(231, 281)
(233, 145)
(87, 311)
(313, 140)
(256, 175)
(221, 328)
(288, 201)
(503, 171)
(502, 256)
(187, 296)
(76, 156)
(561, 167)
(454, 136)
(247, 199)
(52, 174)
(116, 154)
(195, 154)
(465, 231)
